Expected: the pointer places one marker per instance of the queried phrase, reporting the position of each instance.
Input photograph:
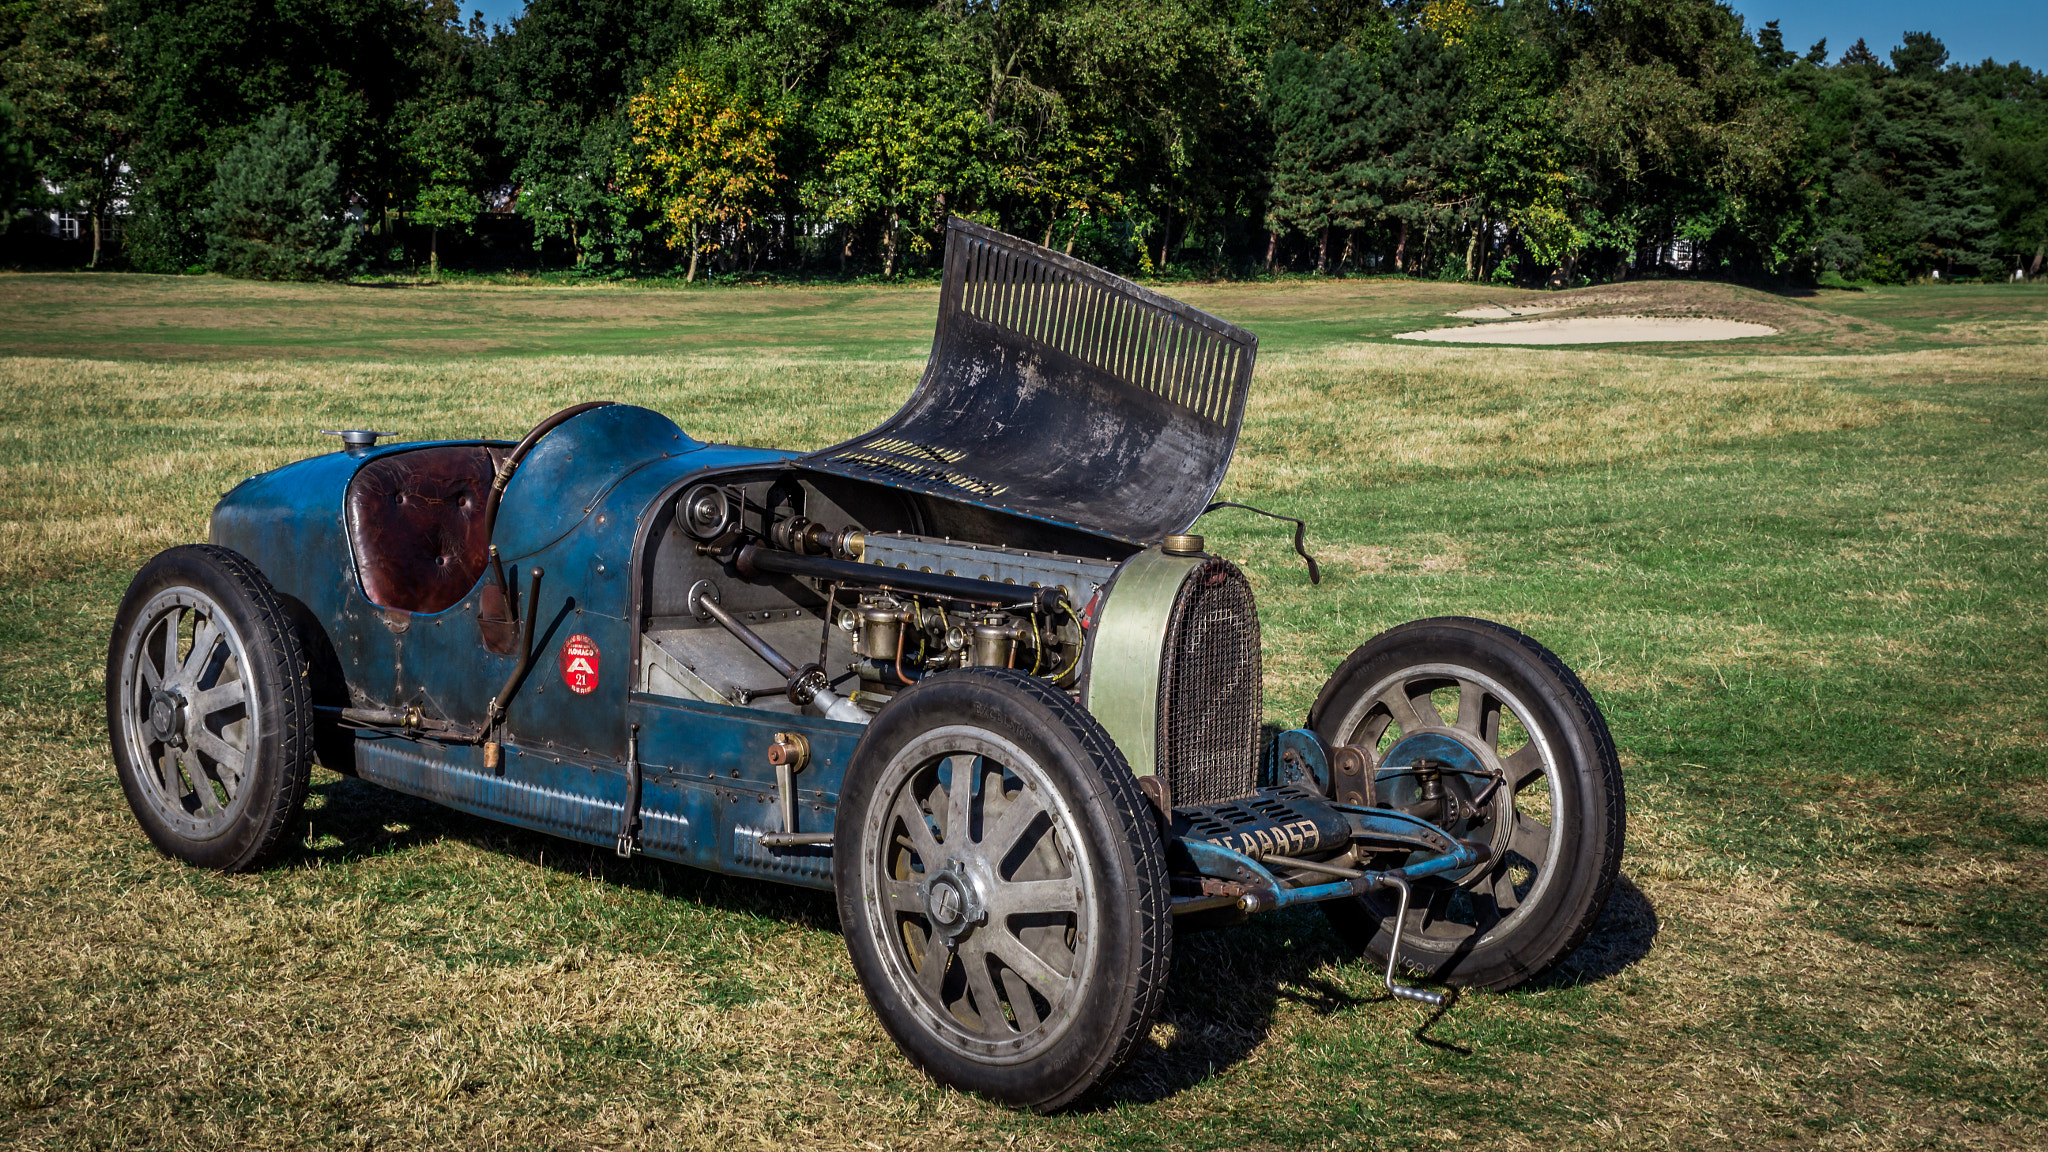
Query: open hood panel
(1061, 392)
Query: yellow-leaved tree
(704, 159)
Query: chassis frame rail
(1243, 862)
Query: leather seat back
(416, 521)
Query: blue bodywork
(580, 509)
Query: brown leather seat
(417, 522)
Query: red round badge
(579, 664)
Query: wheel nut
(167, 716)
(945, 903)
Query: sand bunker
(1507, 311)
(1594, 330)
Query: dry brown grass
(413, 978)
(1346, 413)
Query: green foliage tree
(1920, 57)
(445, 144)
(1898, 170)
(1415, 150)
(704, 158)
(897, 142)
(1550, 140)
(1859, 55)
(2010, 112)
(1681, 133)
(17, 161)
(446, 167)
(1771, 52)
(204, 71)
(278, 211)
(1524, 192)
(559, 84)
(1312, 107)
(65, 75)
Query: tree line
(1524, 141)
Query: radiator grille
(1211, 688)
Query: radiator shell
(1175, 675)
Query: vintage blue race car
(969, 671)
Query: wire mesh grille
(1211, 688)
(1134, 340)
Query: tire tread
(1580, 701)
(1134, 812)
(278, 642)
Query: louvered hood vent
(1061, 392)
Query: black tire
(1026, 1032)
(1516, 916)
(209, 712)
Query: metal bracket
(1268, 892)
(629, 814)
(789, 754)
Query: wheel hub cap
(953, 902)
(167, 717)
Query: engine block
(1081, 578)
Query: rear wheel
(208, 708)
(1471, 698)
(1002, 891)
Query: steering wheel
(519, 453)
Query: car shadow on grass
(1229, 985)
(350, 819)
(1626, 932)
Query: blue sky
(2005, 30)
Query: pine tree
(278, 211)
(1920, 57)
(1859, 53)
(1770, 48)
(1308, 142)
(1410, 146)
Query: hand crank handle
(1402, 991)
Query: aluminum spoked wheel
(1482, 731)
(189, 711)
(986, 888)
(1002, 891)
(207, 708)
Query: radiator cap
(1182, 545)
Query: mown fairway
(1804, 575)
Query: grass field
(1803, 574)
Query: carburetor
(901, 638)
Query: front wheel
(209, 712)
(1001, 887)
(1472, 701)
